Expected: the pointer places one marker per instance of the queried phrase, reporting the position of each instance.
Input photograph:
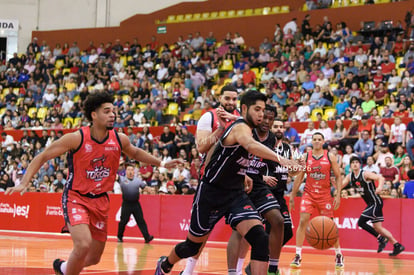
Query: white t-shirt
(398, 132)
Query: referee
(130, 203)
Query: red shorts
(322, 204)
(78, 209)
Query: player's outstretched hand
(21, 188)
(271, 181)
(173, 163)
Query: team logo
(328, 206)
(111, 142)
(269, 196)
(358, 183)
(248, 207)
(98, 171)
(88, 148)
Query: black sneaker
(382, 243)
(398, 248)
(56, 266)
(150, 238)
(248, 270)
(296, 261)
(158, 269)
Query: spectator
(382, 154)
(390, 172)
(364, 146)
(146, 171)
(409, 186)
(405, 167)
(7, 141)
(397, 134)
(306, 140)
(371, 166)
(181, 176)
(167, 141)
(291, 134)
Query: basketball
(321, 232)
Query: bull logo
(98, 171)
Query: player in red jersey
(317, 194)
(93, 158)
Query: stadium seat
(188, 17)
(123, 59)
(258, 11)
(196, 16)
(240, 13)
(66, 71)
(2, 111)
(231, 13)
(41, 114)
(76, 98)
(329, 113)
(171, 18)
(179, 18)
(205, 15)
(314, 113)
(249, 12)
(213, 15)
(266, 10)
(187, 117)
(222, 14)
(172, 109)
(76, 121)
(275, 9)
(380, 110)
(142, 106)
(126, 98)
(16, 91)
(197, 114)
(32, 112)
(284, 9)
(67, 120)
(227, 65)
(59, 63)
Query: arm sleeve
(205, 122)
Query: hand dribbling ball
(321, 233)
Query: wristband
(162, 164)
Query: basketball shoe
(56, 266)
(398, 248)
(382, 243)
(339, 261)
(158, 269)
(296, 261)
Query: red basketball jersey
(215, 123)
(93, 166)
(318, 182)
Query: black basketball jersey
(365, 188)
(259, 167)
(228, 164)
(278, 171)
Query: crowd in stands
(310, 73)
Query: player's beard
(229, 109)
(109, 127)
(250, 120)
(279, 135)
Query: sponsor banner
(10, 25)
(168, 217)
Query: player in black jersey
(221, 190)
(363, 182)
(263, 200)
(281, 174)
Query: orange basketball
(321, 232)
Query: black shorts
(263, 199)
(374, 213)
(284, 210)
(212, 203)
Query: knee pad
(287, 232)
(259, 241)
(187, 248)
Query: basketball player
(208, 132)
(363, 182)
(221, 191)
(263, 200)
(93, 156)
(277, 179)
(317, 193)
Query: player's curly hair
(94, 101)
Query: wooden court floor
(33, 254)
